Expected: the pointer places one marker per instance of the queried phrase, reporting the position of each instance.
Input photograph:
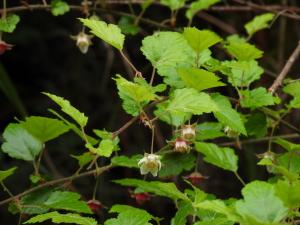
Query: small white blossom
(188, 131)
(83, 41)
(181, 145)
(150, 163)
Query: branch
(97, 171)
(285, 70)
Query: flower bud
(95, 206)
(141, 197)
(230, 133)
(4, 47)
(83, 41)
(188, 131)
(150, 163)
(195, 178)
(181, 145)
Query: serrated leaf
(20, 144)
(109, 33)
(57, 217)
(6, 173)
(243, 51)
(128, 26)
(167, 51)
(218, 206)
(227, 115)
(188, 100)
(260, 204)
(242, 73)
(129, 215)
(59, 7)
(258, 23)
(199, 79)
(105, 148)
(67, 201)
(293, 89)
(200, 40)
(184, 210)
(289, 193)
(174, 164)
(44, 128)
(134, 95)
(67, 108)
(173, 4)
(256, 125)
(9, 23)
(156, 187)
(256, 98)
(209, 130)
(125, 161)
(199, 5)
(215, 221)
(287, 145)
(224, 158)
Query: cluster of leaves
(191, 77)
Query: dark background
(45, 58)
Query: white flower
(181, 145)
(188, 131)
(83, 41)
(150, 163)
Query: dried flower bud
(4, 47)
(141, 197)
(188, 131)
(95, 206)
(83, 41)
(230, 133)
(150, 163)
(195, 178)
(181, 145)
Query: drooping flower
(195, 178)
(188, 131)
(150, 163)
(141, 197)
(4, 47)
(95, 206)
(83, 41)
(230, 133)
(181, 145)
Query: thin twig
(57, 181)
(285, 69)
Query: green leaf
(109, 33)
(289, 193)
(67, 108)
(200, 40)
(256, 125)
(260, 204)
(67, 201)
(9, 23)
(224, 158)
(227, 115)
(287, 145)
(243, 73)
(57, 217)
(173, 4)
(172, 118)
(156, 187)
(243, 51)
(129, 215)
(125, 161)
(199, 79)
(199, 5)
(105, 148)
(167, 51)
(83, 159)
(209, 130)
(134, 95)
(293, 89)
(215, 221)
(59, 7)
(20, 144)
(220, 207)
(44, 128)
(258, 23)
(256, 98)
(188, 100)
(6, 173)
(174, 164)
(184, 210)
(128, 26)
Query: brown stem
(57, 181)
(285, 70)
